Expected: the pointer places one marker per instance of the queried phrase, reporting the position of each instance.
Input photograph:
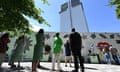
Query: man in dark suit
(76, 45)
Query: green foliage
(12, 15)
(45, 2)
(116, 3)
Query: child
(68, 57)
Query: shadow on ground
(91, 68)
(88, 68)
(28, 69)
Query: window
(118, 35)
(103, 36)
(93, 36)
(75, 2)
(64, 6)
(118, 41)
(112, 36)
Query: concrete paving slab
(48, 65)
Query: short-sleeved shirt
(57, 45)
(75, 41)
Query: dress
(18, 52)
(38, 49)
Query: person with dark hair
(4, 40)
(38, 49)
(57, 48)
(76, 46)
(17, 52)
(114, 53)
(68, 57)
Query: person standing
(68, 57)
(107, 55)
(17, 52)
(114, 53)
(4, 40)
(57, 48)
(76, 46)
(38, 49)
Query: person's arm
(81, 41)
(24, 43)
(70, 41)
(15, 44)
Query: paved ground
(88, 68)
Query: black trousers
(78, 59)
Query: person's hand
(62, 51)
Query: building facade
(72, 16)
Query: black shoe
(41, 67)
(82, 70)
(61, 71)
(13, 66)
(34, 71)
(53, 70)
(70, 65)
(65, 65)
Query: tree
(13, 12)
(116, 3)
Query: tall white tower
(72, 16)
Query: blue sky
(100, 17)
